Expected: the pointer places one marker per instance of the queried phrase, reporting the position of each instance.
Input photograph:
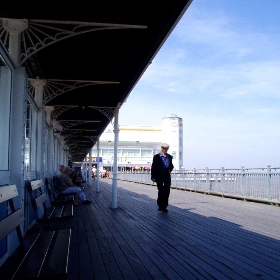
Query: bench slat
(68, 210)
(36, 184)
(9, 268)
(65, 199)
(57, 264)
(57, 212)
(40, 199)
(32, 264)
(9, 223)
(60, 212)
(8, 192)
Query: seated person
(66, 186)
(76, 178)
(60, 169)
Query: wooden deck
(201, 237)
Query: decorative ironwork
(108, 112)
(67, 124)
(55, 87)
(60, 110)
(31, 88)
(42, 33)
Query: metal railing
(245, 183)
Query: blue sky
(219, 71)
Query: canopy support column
(115, 168)
(89, 178)
(98, 166)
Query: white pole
(89, 172)
(115, 168)
(97, 178)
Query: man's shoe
(164, 210)
(87, 201)
(159, 209)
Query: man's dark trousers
(163, 185)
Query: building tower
(172, 133)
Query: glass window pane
(27, 137)
(146, 153)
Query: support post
(89, 172)
(97, 178)
(41, 126)
(115, 168)
(49, 148)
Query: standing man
(160, 173)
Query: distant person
(102, 172)
(93, 172)
(66, 186)
(162, 166)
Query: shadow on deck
(201, 237)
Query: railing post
(223, 179)
(208, 186)
(242, 180)
(269, 181)
(194, 177)
(184, 178)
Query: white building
(138, 144)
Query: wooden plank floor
(201, 237)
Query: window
(27, 137)
(107, 152)
(32, 119)
(174, 155)
(131, 152)
(146, 153)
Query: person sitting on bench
(66, 186)
(76, 178)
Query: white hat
(165, 145)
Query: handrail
(243, 183)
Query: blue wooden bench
(43, 255)
(47, 216)
(54, 195)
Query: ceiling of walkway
(90, 54)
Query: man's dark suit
(161, 175)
